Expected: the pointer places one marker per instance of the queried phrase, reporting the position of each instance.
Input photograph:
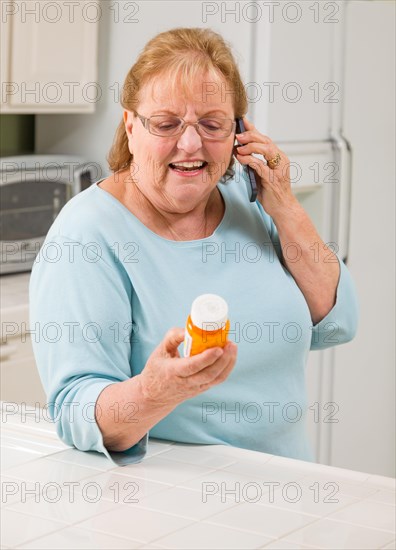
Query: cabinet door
(19, 378)
(295, 88)
(49, 56)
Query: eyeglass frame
(146, 124)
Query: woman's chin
(189, 187)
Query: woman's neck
(186, 226)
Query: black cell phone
(251, 181)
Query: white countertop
(181, 496)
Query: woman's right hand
(168, 379)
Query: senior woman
(125, 258)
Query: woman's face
(167, 188)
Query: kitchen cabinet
(49, 56)
(20, 382)
(19, 379)
(294, 87)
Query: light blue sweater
(105, 289)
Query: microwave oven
(33, 190)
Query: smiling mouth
(188, 166)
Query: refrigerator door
(321, 180)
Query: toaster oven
(33, 190)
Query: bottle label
(187, 344)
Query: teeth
(195, 164)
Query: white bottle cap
(209, 312)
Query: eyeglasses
(171, 126)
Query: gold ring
(273, 163)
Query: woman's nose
(190, 140)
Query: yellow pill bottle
(207, 325)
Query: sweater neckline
(195, 242)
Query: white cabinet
(49, 56)
(294, 87)
(19, 379)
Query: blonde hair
(186, 53)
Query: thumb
(172, 340)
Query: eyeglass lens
(164, 125)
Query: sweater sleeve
(81, 323)
(339, 326)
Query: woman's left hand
(274, 193)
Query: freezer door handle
(343, 156)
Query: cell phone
(251, 181)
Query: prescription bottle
(207, 325)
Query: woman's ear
(127, 115)
(128, 122)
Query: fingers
(251, 141)
(252, 135)
(188, 366)
(172, 340)
(223, 375)
(258, 165)
(268, 150)
(219, 371)
(248, 125)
